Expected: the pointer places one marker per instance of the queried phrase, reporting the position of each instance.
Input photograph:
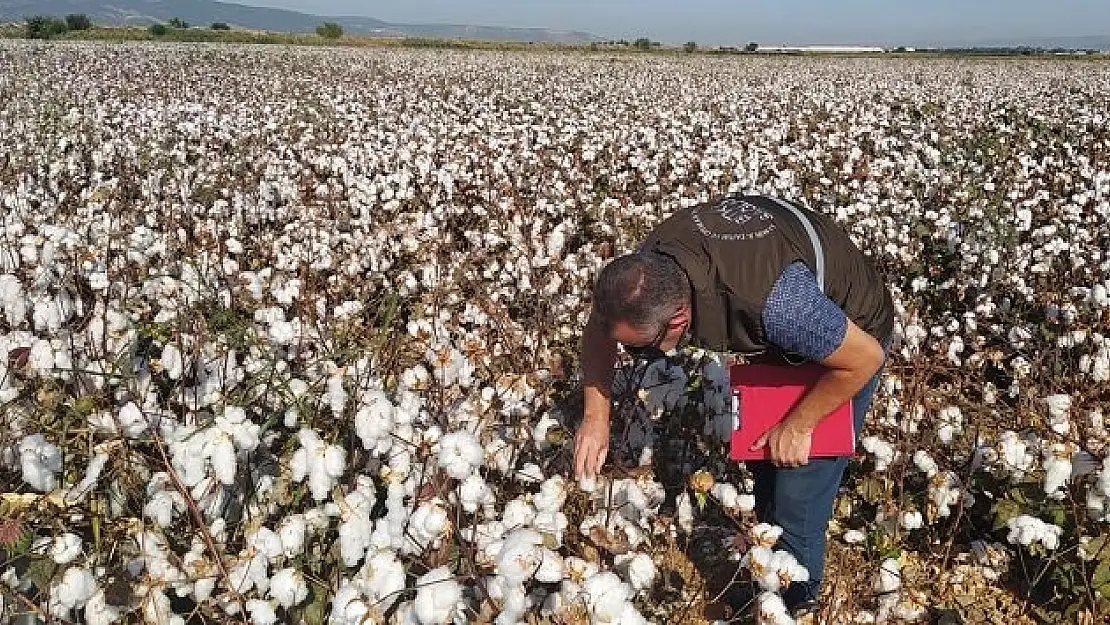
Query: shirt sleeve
(799, 318)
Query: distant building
(822, 49)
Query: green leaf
(1101, 576)
(317, 612)
(1096, 548)
(1003, 511)
(41, 572)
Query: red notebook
(764, 394)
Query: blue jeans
(800, 500)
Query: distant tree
(45, 27)
(690, 46)
(78, 21)
(329, 30)
(751, 47)
(177, 22)
(900, 49)
(220, 26)
(643, 43)
(159, 30)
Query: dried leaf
(613, 542)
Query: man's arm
(591, 442)
(849, 368)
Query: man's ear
(682, 317)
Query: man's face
(646, 343)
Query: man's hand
(591, 446)
(789, 445)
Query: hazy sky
(918, 22)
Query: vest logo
(733, 219)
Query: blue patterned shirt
(799, 318)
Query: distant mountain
(205, 12)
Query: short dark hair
(642, 289)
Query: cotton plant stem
(198, 518)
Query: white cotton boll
(292, 531)
(474, 493)
(1059, 407)
(551, 569)
(499, 455)
(75, 589)
(438, 597)
(539, 433)
(638, 570)
(727, 494)
(925, 463)
(40, 460)
(221, 453)
(1058, 469)
(282, 332)
(262, 612)
(288, 587)
(429, 523)
(606, 597)
(348, 607)
(354, 538)
(770, 610)
(912, 520)
(854, 537)
(1014, 455)
(1025, 530)
(321, 463)
(518, 513)
(41, 358)
(685, 510)
(98, 611)
(765, 534)
(530, 473)
(66, 548)
(337, 395)
(460, 454)
(160, 507)
(266, 542)
(552, 495)
(374, 422)
(884, 452)
(950, 424)
(386, 578)
(172, 362)
(520, 555)
(888, 579)
(13, 302)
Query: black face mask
(650, 352)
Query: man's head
(643, 301)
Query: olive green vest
(733, 249)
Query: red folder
(764, 394)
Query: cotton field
(291, 335)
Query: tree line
(49, 26)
